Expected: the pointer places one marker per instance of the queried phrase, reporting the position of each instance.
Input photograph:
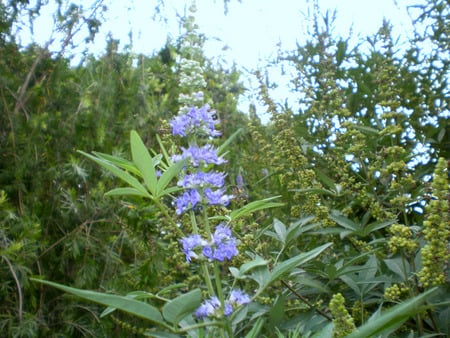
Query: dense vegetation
(360, 171)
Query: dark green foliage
(346, 162)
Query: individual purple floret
(202, 179)
(222, 234)
(211, 307)
(208, 308)
(206, 154)
(196, 120)
(188, 200)
(189, 244)
(217, 197)
(228, 310)
(223, 245)
(239, 297)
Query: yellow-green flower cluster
(292, 164)
(342, 320)
(401, 239)
(395, 292)
(435, 254)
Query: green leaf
(255, 206)
(170, 190)
(394, 317)
(131, 295)
(366, 130)
(119, 162)
(123, 175)
(280, 229)
(256, 329)
(314, 191)
(399, 266)
(224, 145)
(344, 221)
(325, 332)
(293, 262)
(143, 160)
(246, 267)
(131, 306)
(163, 149)
(161, 335)
(125, 192)
(168, 176)
(176, 309)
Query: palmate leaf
(119, 173)
(125, 304)
(144, 162)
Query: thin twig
(306, 301)
(19, 288)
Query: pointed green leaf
(161, 335)
(394, 317)
(176, 309)
(280, 229)
(258, 261)
(119, 173)
(119, 162)
(255, 331)
(163, 149)
(126, 192)
(290, 264)
(255, 206)
(168, 176)
(143, 160)
(344, 221)
(170, 190)
(131, 306)
(131, 295)
(224, 145)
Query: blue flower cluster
(197, 121)
(211, 307)
(197, 155)
(201, 188)
(221, 247)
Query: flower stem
(168, 217)
(204, 265)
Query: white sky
(250, 31)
